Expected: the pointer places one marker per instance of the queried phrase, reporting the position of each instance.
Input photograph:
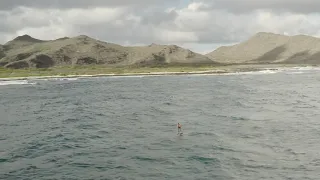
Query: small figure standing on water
(179, 127)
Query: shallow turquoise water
(254, 126)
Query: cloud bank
(200, 25)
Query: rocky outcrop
(42, 61)
(86, 61)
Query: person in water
(179, 127)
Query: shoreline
(114, 75)
(214, 71)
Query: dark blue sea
(241, 126)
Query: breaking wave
(16, 82)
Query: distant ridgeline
(263, 48)
(25, 52)
(271, 48)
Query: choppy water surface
(249, 126)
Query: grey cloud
(17, 19)
(120, 35)
(11, 4)
(152, 24)
(243, 6)
(219, 36)
(159, 17)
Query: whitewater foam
(16, 82)
(268, 71)
(307, 68)
(287, 70)
(63, 79)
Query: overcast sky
(199, 25)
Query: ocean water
(242, 126)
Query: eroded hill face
(165, 54)
(25, 51)
(271, 48)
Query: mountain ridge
(261, 48)
(26, 51)
(264, 47)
